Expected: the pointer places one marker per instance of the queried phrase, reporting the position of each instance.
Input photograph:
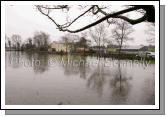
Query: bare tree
(151, 33)
(98, 34)
(147, 11)
(66, 41)
(8, 42)
(30, 41)
(45, 39)
(69, 40)
(16, 39)
(121, 32)
(28, 45)
(41, 40)
(36, 39)
(83, 43)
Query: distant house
(96, 49)
(82, 49)
(151, 54)
(141, 51)
(58, 47)
(133, 50)
(112, 48)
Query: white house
(58, 47)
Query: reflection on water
(121, 86)
(33, 78)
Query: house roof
(132, 47)
(56, 42)
(152, 53)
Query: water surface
(33, 79)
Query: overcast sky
(25, 20)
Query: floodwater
(49, 79)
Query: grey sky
(25, 20)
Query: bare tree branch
(54, 6)
(78, 17)
(148, 15)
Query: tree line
(99, 36)
(40, 41)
